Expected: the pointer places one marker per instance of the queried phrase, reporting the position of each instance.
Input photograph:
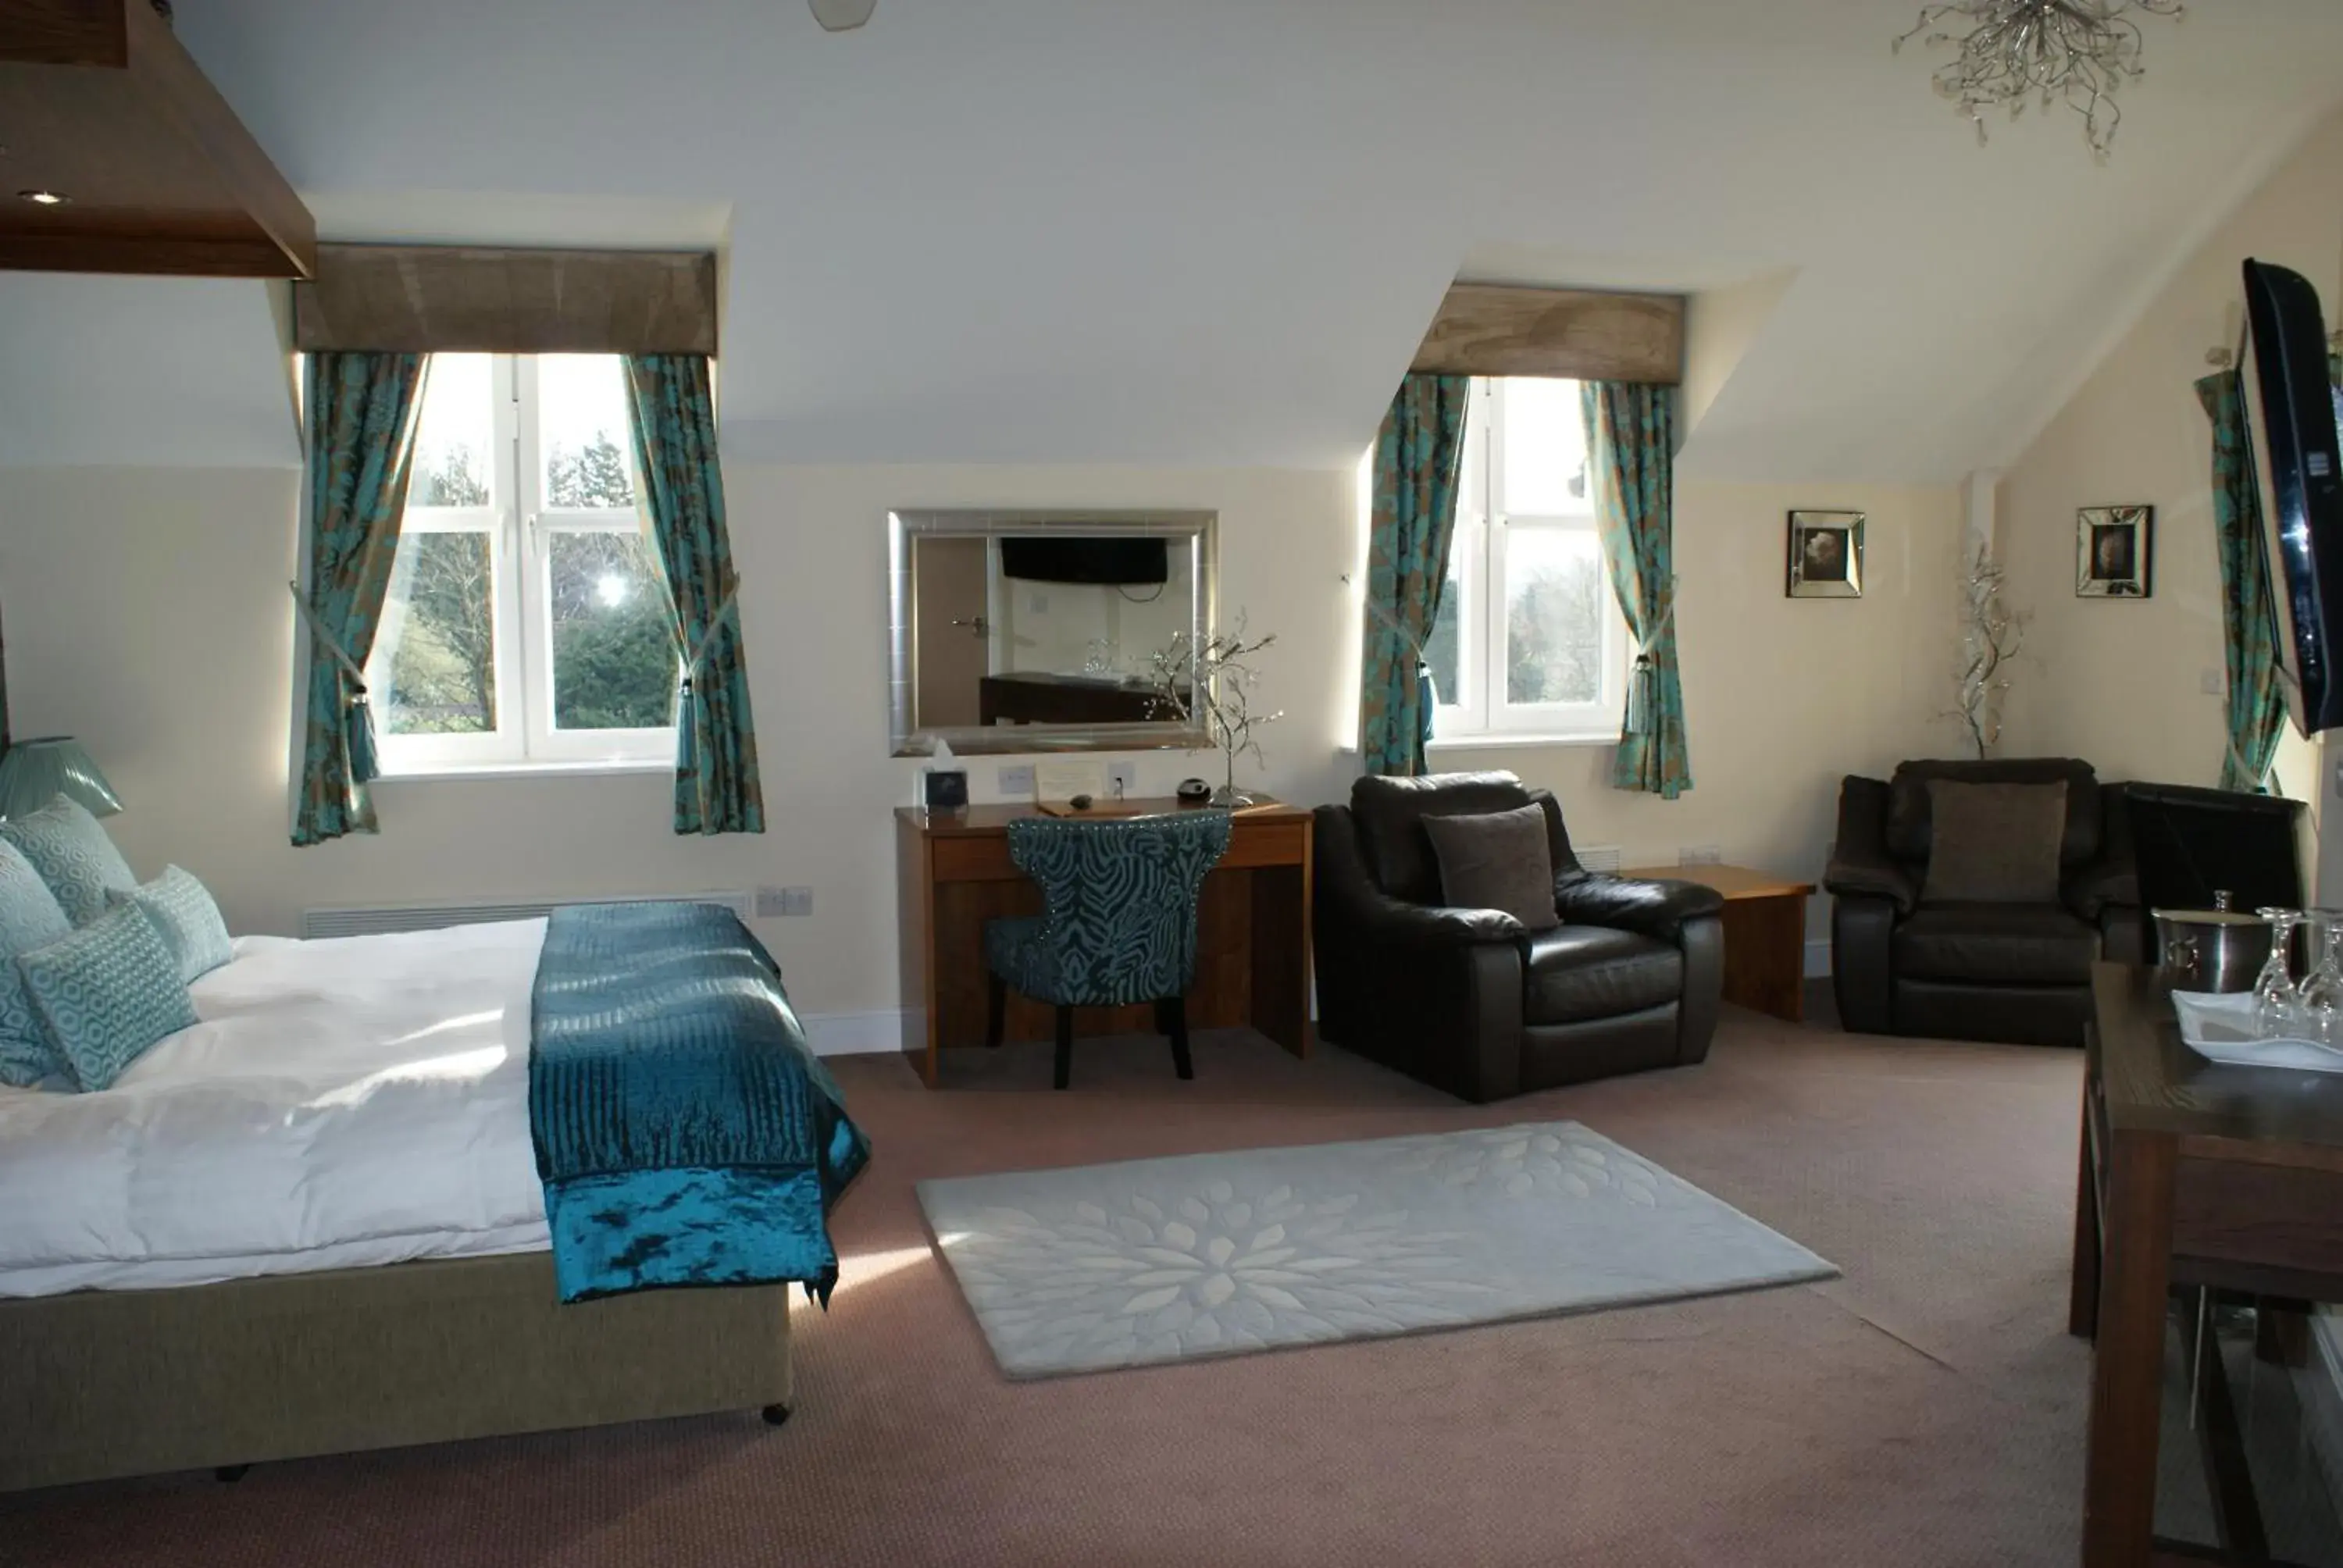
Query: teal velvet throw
(685, 1132)
(2255, 704)
(1419, 454)
(362, 409)
(716, 789)
(1631, 450)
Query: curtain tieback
(357, 721)
(687, 740)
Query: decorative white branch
(1991, 636)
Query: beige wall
(2121, 683)
(1783, 696)
(147, 612)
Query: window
(1530, 641)
(527, 619)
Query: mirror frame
(906, 526)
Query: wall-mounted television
(1096, 560)
(2292, 411)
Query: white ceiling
(1205, 231)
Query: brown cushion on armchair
(1497, 860)
(1994, 843)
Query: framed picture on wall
(1825, 555)
(2115, 552)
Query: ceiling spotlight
(45, 198)
(841, 15)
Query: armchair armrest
(2112, 880)
(1382, 918)
(1652, 907)
(1860, 865)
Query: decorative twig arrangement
(1991, 636)
(1212, 683)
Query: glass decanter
(2321, 1002)
(2278, 1005)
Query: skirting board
(853, 1033)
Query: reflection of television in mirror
(2292, 411)
(1107, 559)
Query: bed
(315, 1223)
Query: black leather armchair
(1471, 1000)
(2012, 973)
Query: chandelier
(2079, 53)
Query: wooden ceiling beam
(1484, 329)
(159, 174)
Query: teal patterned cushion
(29, 918)
(107, 991)
(182, 912)
(73, 856)
(1121, 902)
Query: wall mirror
(1037, 631)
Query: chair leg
(1174, 1010)
(1065, 1073)
(996, 1010)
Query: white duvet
(342, 1103)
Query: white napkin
(2219, 1027)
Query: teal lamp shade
(34, 772)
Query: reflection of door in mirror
(952, 629)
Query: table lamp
(34, 772)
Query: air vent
(373, 921)
(1598, 857)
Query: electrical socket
(796, 901)
(771, 902)
(1017, 783)
(1121, 781)
(1700, 855)
(2210, 681)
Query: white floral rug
(1152, 1260)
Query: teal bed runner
(685, 1132)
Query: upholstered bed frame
(102, 1383)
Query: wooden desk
(1764, 934)
(1252, 959)
(2194, 1174)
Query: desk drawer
(973, 858)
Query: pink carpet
(1927, 1408)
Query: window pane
(581, 409)
(440, 637)
(455, 433)
(1545, 450)
(613, 656)
(1553, 615)
(1440, 648)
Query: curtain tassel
(687, 730)
(357, 732)
(1427, 697)
(1643, 696)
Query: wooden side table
(1764, 934)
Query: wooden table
(1253, 929)
(1764, 934)
(2194, 1174)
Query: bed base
(96, 1384)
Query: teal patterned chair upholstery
(1119, 924)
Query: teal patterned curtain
(1631, 443)
(362, 411)
(716, 784)
(1418, 457)
(2256, 704)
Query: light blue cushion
(29, 919)
(107, 991)
(73, 856)
(183, 911)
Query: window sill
(606, 769)
(1503, 741)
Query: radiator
(1598, 857)
(372, 921)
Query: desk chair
(1119, 925)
